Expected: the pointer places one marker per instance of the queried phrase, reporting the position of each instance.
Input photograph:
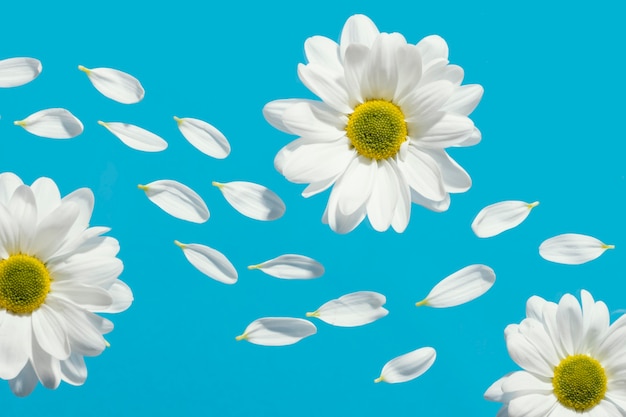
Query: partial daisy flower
(277, 331)
(291, 266)
(252, 200)
(354, 309)
(135, 137)
(204, 137)
(15, 72)
(499, 217)
(115, 84)
(572, 359)
(55, 123)
(389, 110)
(572, 249)
(408, 366)
(178, 200)
(55, 273)
(209, 261)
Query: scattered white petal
(177, 200)
(210, 262)
(408, 366)
(135, 137)
(499, 217)
(252, 200)
(350, 310)
(115, 84)
(461, 287)
(18, 71)
(204, 137)
(291, 267)
(572, 249)
(277, 331)
(52, 123)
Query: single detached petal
(204, 137)
(572, 249)
(464, 285)
(252, 200)
(115, 84)
(277, 331)
(408, 366)
(350, 310)
(52, 123)
(136, 137)
(177, 200)
(210, 262)
(496, 218)
(18, 71)
(291, 267)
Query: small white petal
(277, 331)
(408, 366)
(122, 297)
(291, 267)
(572, 249)
(52, 123)
(350, 310)
(461, 287)
(204, 137)
(115, 84)
(135, 137)
(499, 217)
(210, 262)
(252, 200)
(18, 71)
(177, 200)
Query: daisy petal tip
(424, 302)
(379, 379)
(217, 184)
(179, 244)
(533, 204)
(605, 246)
(312, 314)
(240, 337)
(178, 120)
(142, 187)
(84, 69)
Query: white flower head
(55, 273)
(378, 137)
(572, 358)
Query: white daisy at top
(55, 273)
(573, 361)
(389, 110)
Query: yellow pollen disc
(377, 129)
(579, 382)
(24, 283)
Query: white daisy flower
(573, 361)
(378, 137)
(55, 273)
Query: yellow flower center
(24, 283)
(579, 382)
(377, 129)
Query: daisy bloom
(55, 273)
(573, 360)
(389, 110)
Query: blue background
(552, 123)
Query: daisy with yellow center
(389, 109)
(573, 361)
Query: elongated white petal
(252, 200)
(277, 331)
(115, 84)
(53, 123)
(572, 249)
(204, 137)
(136, 137)
(18, 71)
(464, 285)
(499, 217)
(350, 310)
(408, 366)
(210, 262)
(177, 200)
(291, 267)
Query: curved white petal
(74, 370)
(291, 267)
(408, 366)
(136, 137)
(122, 297)
(461, 287)
(209, 261)
(274, 110)
(499, 217)
(50, 331)
(384, 198)
(115, 84)
(252, 200)
(177, 200)
(358, 29)
(423, 174)
(314, 121)
(464, 99)
(433, 49)
(350, 310)
(8, 184)
(52, 123)
(18, 71)
(47, 196)
(23, 384)
(326, 85)
(572, 249)
(15, 341)
(204, 137)
(277, 331)
(323, 51)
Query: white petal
(15, 340)
(531, 405)
(572, 249)
(52, 123)
(274, 110)
(355, 309)
(18, 71)
(464, 285)
(422, 173)
(46, 367)
(210, 262)
(327, 86)
(252, 200)
(47, 196)
(464, 99)
(291, 267)
(73, 370)
(177, 200)
(204, 137)
(122, 298)
(449, 130)
(323, 51)
(358, 29)
(408, 366)
(384, 198)
(433, 49)
(455, 178)
(115, 84)
(277, 331)
(136, 137)
(496, 218)
(49, 329)
(8, 184)
(23, 384)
